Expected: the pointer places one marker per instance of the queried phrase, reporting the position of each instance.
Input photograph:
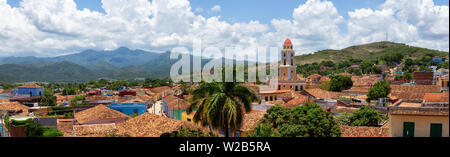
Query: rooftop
(421, 109)
(436, 97)
(30, 86)
(94, 130)
(251, 119)
(99, 114)
(299, 100)
(14, 107)
(174, 102)
(364, 131)
(150, 125)
(160, 89)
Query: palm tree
(220, 105)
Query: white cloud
(55, 27)
(216, 8)
(414, 22)
(198, 10)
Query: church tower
(287, 66)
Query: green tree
(188, 132)
(308, 120)
(381, 89)
(339, 83)
(344, 118)
(48, 99)
(278, 115)
(220, 104)
(78, 101)
(52, 133)
(365, 116)
(264, 130)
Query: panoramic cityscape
(111, 68)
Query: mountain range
(126, 64)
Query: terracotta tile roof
(342, 109)
(436, 97)
(160, 89)
(176, 103)
(406, 95)
(99, 113)
(416, 88)
(325, 79)
(251, 119)
(65, 128)
(355, 89)
(367, 80)
(314, 76)
(150, 125)
(345, 74)
(281, 102)
(299, 100)
(14, 106)
(319, 93)
(363, 131)
(95, 130)
(30, 86)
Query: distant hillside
(130, 72)
(120, 57)
(56, 72)
(367, 52)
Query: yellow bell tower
(287, 66)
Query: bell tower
(287, 67)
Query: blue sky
(246, 10)
(51, 29)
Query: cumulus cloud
(415, 22)
(55, 27)
(216, 8)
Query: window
(435, 130)
(408, 129)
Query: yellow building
(419, 119)
(249, 122)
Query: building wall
(26, 91)
(422, 124)
(129, 108)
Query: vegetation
(52, 133)
(220, 104)
(6, 121)
(69, 91)
(407, 76)
(79, 101)
(33, 129)
(365, 116)
(339, 83)
(8, 86)
(381, 89)
(264, 130)
(344, 118)
(188, 132)
(48, 99)
(308, 120)
(370, 52)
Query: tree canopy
(339, 83)
(381, 89)
(308, 120)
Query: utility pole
(387, 36)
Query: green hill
(52, 72)
(367, 52)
